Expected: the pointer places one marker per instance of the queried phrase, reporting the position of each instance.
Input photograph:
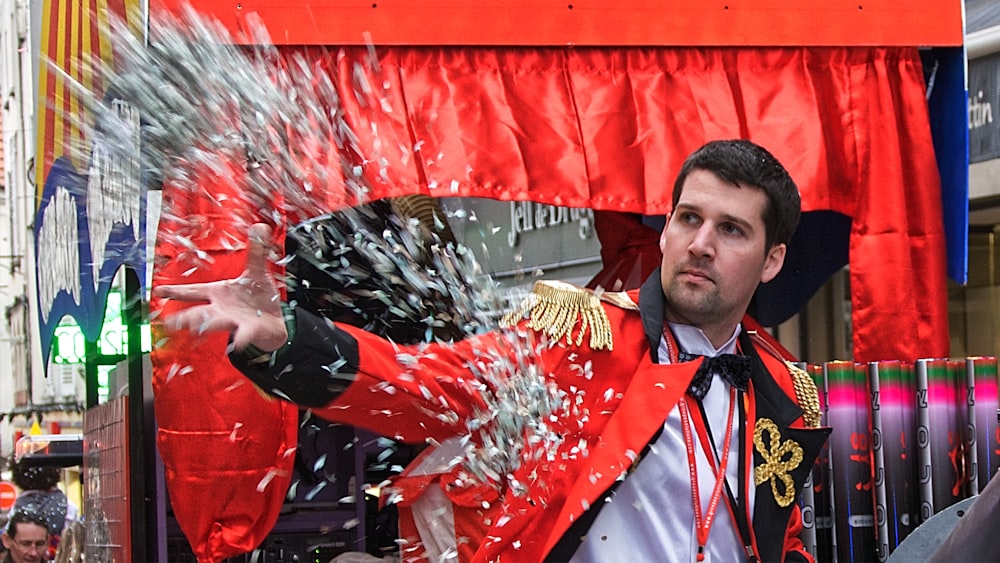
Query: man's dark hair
(23, 517)
(34, 478)
(742, 162)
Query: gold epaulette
(555, 308)
(806, 394)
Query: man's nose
(703, 242)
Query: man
(40, 494)
(26, 537)
(656, 462)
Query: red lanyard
(703, 528)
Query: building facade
(21, 388)
(975, 307)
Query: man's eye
(731, 229)
(24, 544)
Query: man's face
(714, 255)
(28, 544)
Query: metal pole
(132, 314)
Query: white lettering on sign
(980, 111)
(113, 183)
(527, 216)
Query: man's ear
(773, 262)
(663, 233)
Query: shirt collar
(692, 340)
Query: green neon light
(69, 346)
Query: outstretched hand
(248, 307)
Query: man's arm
(404, 392)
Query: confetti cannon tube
(851, 460)
(817, 503)
(984, 447)
(893, 433)
(807, 500)
(939, 437)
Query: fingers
(236, 304)
(184, 292)
(258, 244)
(181, 320)
(256, 270)
(199, 319)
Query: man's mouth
(694, 275)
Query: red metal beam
(596, 22)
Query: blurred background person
(26, 537)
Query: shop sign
(512, 239)
(984, 102)
(526, 216)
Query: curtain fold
(609, 129)
(227, 450)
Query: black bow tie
(734, 368)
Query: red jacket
(351, 376)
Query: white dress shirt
(650, 517)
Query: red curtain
(609, 129)
(227, 449)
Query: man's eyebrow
(686, 206)
(738, 220)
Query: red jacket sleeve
(410, 393)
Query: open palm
(248, 307)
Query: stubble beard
(691, 305)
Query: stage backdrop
(569, 104)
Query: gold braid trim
(780, 459)
(555, 308)
(806, 394)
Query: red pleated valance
(609, 129)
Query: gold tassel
(806, 394)
(555, 308)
